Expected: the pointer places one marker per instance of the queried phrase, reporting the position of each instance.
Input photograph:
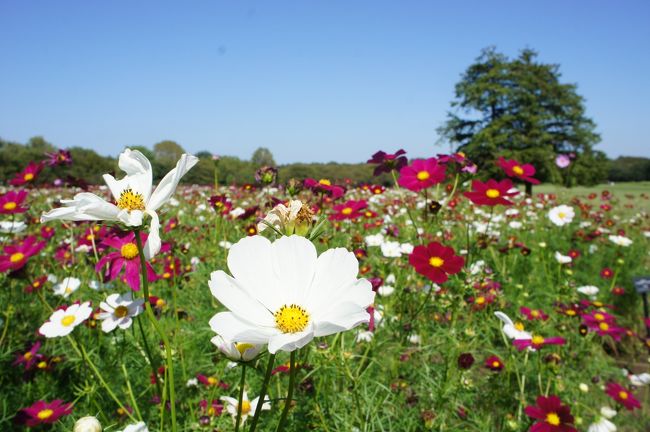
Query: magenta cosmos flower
(28, 175)
(514, 169)
(61, 157)
(42, 412)
(537, 342)
(387, 162)
(491, 193)
(421, 174)
(16, 256)
(436, 261)
(551, 415)
(126, 257)
(326, 186)
(12, 202)
(622, 395)
(350, 210)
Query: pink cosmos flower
(17, 255)
(12, 202)
(622, 395)
(28, 175)
(126, 257)
(562, 161)
(421, 174)
(350, 210)
(42, 412)
(61, 157)
(514, 169)
(533, 314)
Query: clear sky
(311, 80)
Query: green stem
(169, 363)
(242, 381)
(292, 382)
(154, 366)
(130, 391)
(260, 401)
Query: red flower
(326, 186)
(36, 285)
(537, 342)
(494, 363)
(27, 175)
(387, 162)
(221, 204)
(42, 412)
(552, 416)
(491, 193)
(622, 395)
(514, 169)
(349, 210)
(421, 174)
(436, 261)
(11, 202)
(127, 257)
(533, 314)
(606, 273)
(17, 255)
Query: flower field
(441, 302)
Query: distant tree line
(88, 166)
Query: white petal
(229, 326)
(84, 206)
(168, 184)
(138, 172)
(335, 269)
(130, 218)
(238, 300)
(108, 325)
(358, 293)
(294, 262)
(290, 341)
(153, 244)
(344, 317)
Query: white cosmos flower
(589, 290)
(132, 194)
(561, 215)
(138, 427)
(562, 259)
(510, 329)
(119, 310)
(620, 240)
(87, 424)
(12, 227)
(62, 322)
(237, 351)
(374, 239)
(247, 406)
(283, 294)
(67, 286)
(639, 380)
(391, 249)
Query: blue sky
(311, 80)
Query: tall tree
(262, 157)
(168, 152)
(519, 108)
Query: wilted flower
(296, 218)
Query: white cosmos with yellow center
(283, 294)
(133, 196)
(237, 351)
(118, 311)
(248, 407)
(62, 322)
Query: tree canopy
(519, 108)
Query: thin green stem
(130, 391)
(289, 399)
(260, 401)
(242, 382)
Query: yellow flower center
(129, 251)
(495, 364)
(346, 211)
(245, 407)
(423, 175)
(570, 312)
(212, 381)
(599, 316)
(517, 170)
(325, 182)
(121, 311)
(28, 177)
(436, 261)
(68, 320)
(45, 414)
(291, 319)
(538, 340)
(10, 205)
(519, 326)
(492, 193)
(553, 419)
(480, 300)
(604, 326)
(41, 365)
(16, 257)
(534, 313)
(623, 395)
(130, 200)
(28, 355)
(242, 347)
(561, 215)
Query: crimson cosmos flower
(552, 416)
(17, 255)
(494, 363)
(42, 412)
(491, 193)
(221, 204)
(12, 201)
(61, 157)
(27, 175)
(421, 174)
(537, 342)
(126, 257)
(324, 185)
(436, 261)
(387, 162)
(349, 210)
(514, 169)
(533, 314)
(29, 357)
(622, 395)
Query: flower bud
(87, 424)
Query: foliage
(626, 168)
(262, 157)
